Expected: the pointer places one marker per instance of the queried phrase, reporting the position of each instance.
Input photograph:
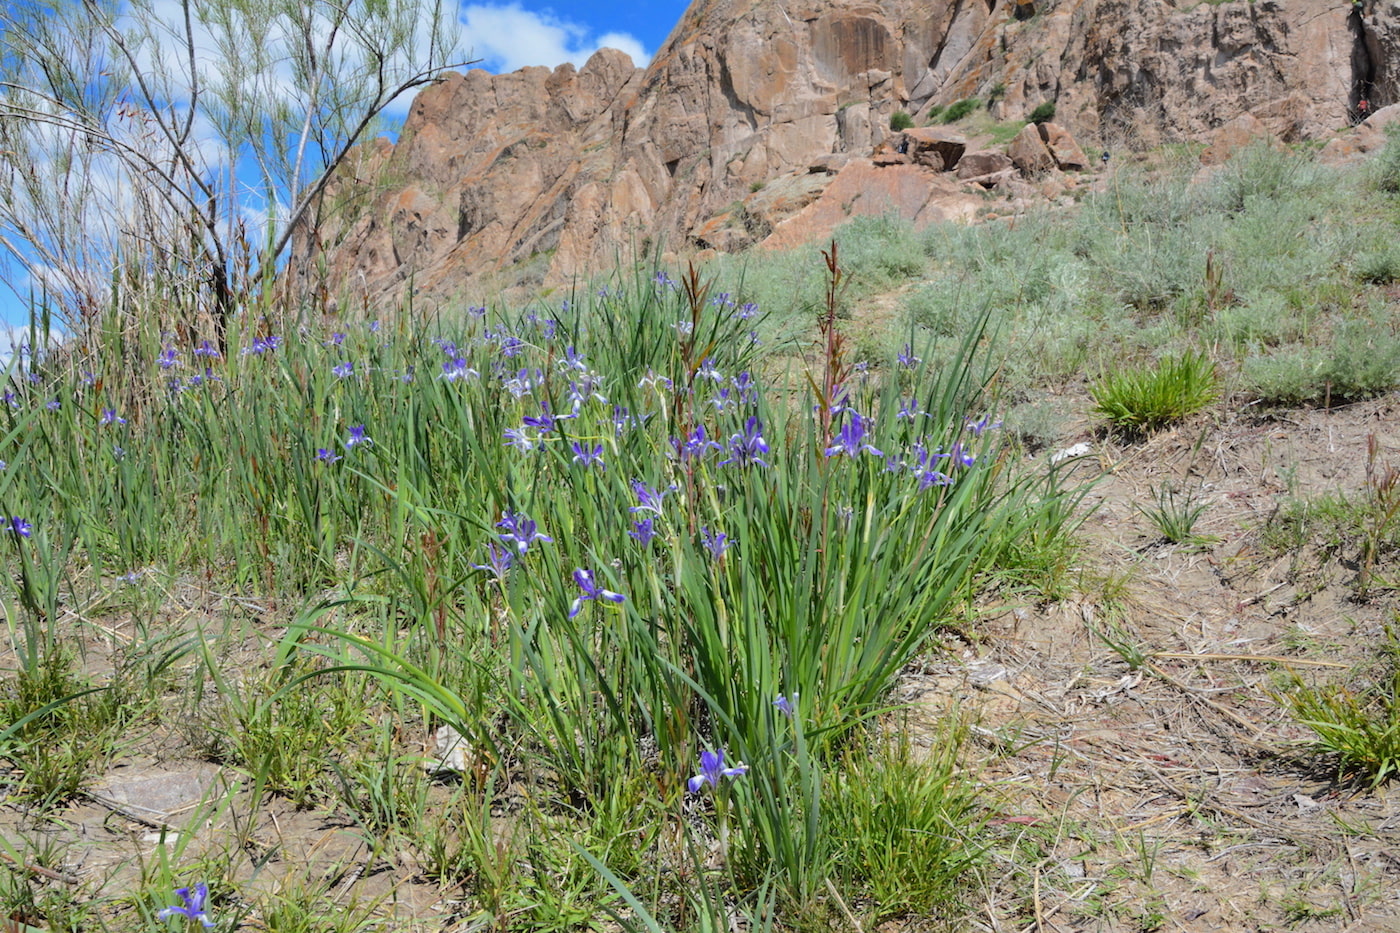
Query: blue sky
(508, 36)
(511, 36)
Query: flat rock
(158, 794)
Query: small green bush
(1379, 266)
(1137, 400)
(899, 121)
(957, 111)
(1043, 113)
(934, 113)
(1385, 167)
(1363, 362)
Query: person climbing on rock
(1104, 158)
(1363, 110)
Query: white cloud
(15, 336)
(510, 37)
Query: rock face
(541, 175)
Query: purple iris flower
(783, 705)
(850, 440)
(716, 542)
(985, 423)
(522, 383)
(110, 416)
(712, 769)
(907, 358)
(707, 371)
(520, 439)
(168, 358)
(747, 310)
(343, 370)
(357, 437)
(929, 478)
(544, 420)
(573, 360)
(193, 906)
(337, 338)
(511, 346)
(521, 531)
(724, 399)
(648, 499)
(695, 446)
(748, 390)
(53, 404)
(908, 410)
(588, 456)
(498, 560)
(591, 591)
(745, 448)
(961, 456)
(19, 527)
(584, 389)
(643, 530)
(477, 311)
(205, 348)
(326, 455)
(457, 368)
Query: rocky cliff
(543, 175)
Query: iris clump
(453, 555)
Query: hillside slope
(546, 175)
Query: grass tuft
(1145, 399)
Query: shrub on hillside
(1363, 362)
(900, 121)
(1386, 165)
(957, 111)
(1044, 113)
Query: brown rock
(982, 162)
(995, 179)
(1063, 149)
(939, 149)
(1028, 152)
(830, 163)
(887, 153)
(863, 189)
(1239, 133)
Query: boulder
(939, 149)
(865, 189)
(830, 164)
(982, 162)
(888, 153)
(1028, 152)
(1239, 133)
(997, 179)
(1063, 149)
